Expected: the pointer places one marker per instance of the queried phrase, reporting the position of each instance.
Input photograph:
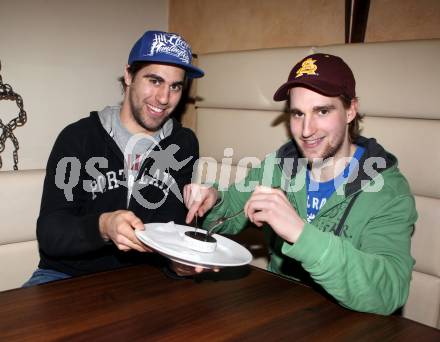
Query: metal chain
(7, 93)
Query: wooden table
(238, 304)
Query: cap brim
(191, 70)
(320, 87)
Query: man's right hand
(185, 271)
(119, 226)
(198, 199)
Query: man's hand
(119, 226)
(198, 199)
(271, 206)
(185, 270)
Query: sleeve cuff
(219, 201)
(311, 246)
(91, 231)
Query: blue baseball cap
(164, 47)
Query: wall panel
(235, 25)
(391, 20)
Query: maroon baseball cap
(326, 74)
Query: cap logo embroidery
(307, 67)
(170, 44)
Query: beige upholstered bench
(398, 85)
(20, 193)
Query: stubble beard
(136, 112)
(327, 155)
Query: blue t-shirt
(319, 193)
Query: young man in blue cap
(343, 218)
(119, 168)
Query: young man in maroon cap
(336, 211)
(119, 168)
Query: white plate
(167, 239)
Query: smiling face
(150, 97)
(319, 124)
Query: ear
(127, 76)
(352, 111)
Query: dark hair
(354, 129)
(134, 68)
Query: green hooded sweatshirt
(357, 248)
